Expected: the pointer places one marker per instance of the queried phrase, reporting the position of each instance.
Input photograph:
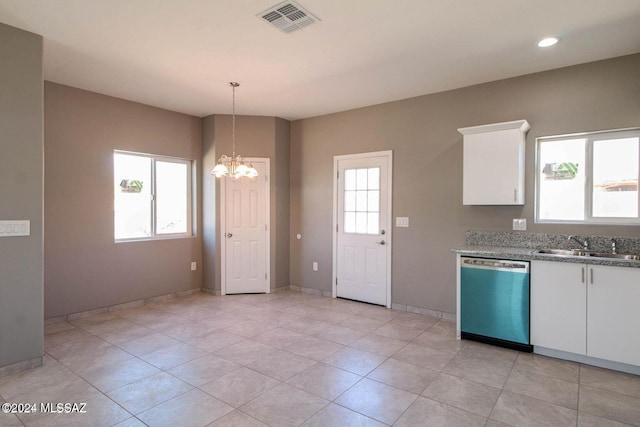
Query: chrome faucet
(613, 246)
(585, 244)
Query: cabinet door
(614, 315)
(558, 306)
(493, 168)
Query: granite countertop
(528, 254)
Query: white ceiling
(180, 54)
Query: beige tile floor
(293, 359)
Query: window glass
(373, 179)
(361, 179)
(562, 177)
(615, 178)
(152, 196)
(171, 197)
(349, 222)
(350, 201)
(132, 201)
(350, 179)
(590, 178)
(362, 201)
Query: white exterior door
(245, 239)
(362, 220)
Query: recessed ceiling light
(549, 41)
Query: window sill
(154, 239)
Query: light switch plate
(402, 221)
(15, 228)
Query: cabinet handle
(582, 281)
(515, 194)
(591, 274)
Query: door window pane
(362, 201)
(361, 180)
(373, 221)
(361, 222)
(373, 201)
(350, 201)
(615, 178)
(350, 179)
(373, 179)
(349, 222)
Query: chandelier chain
(233, 119)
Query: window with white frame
(589, 178)
(152, 196)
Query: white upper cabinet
(493, 165)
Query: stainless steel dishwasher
(494, 302)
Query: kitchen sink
(581, 253)
(563, 252)
(616, 256)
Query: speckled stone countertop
(525, 246)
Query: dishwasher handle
(496, 264)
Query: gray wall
(21, 193)
(84, 268)
(210, 215)
(427, 176)
(281, 163)
(255, 137)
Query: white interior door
(245, 240)
(362, 247)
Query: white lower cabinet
(559, 306)
(613, 314)
(586, 309)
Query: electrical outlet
(193, 266)
(520, 224)
(315, 266)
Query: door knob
(381, 242)
(382, 232)
(229, 235)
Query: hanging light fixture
(234, 166)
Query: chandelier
(234, 166)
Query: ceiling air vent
(288, 16)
